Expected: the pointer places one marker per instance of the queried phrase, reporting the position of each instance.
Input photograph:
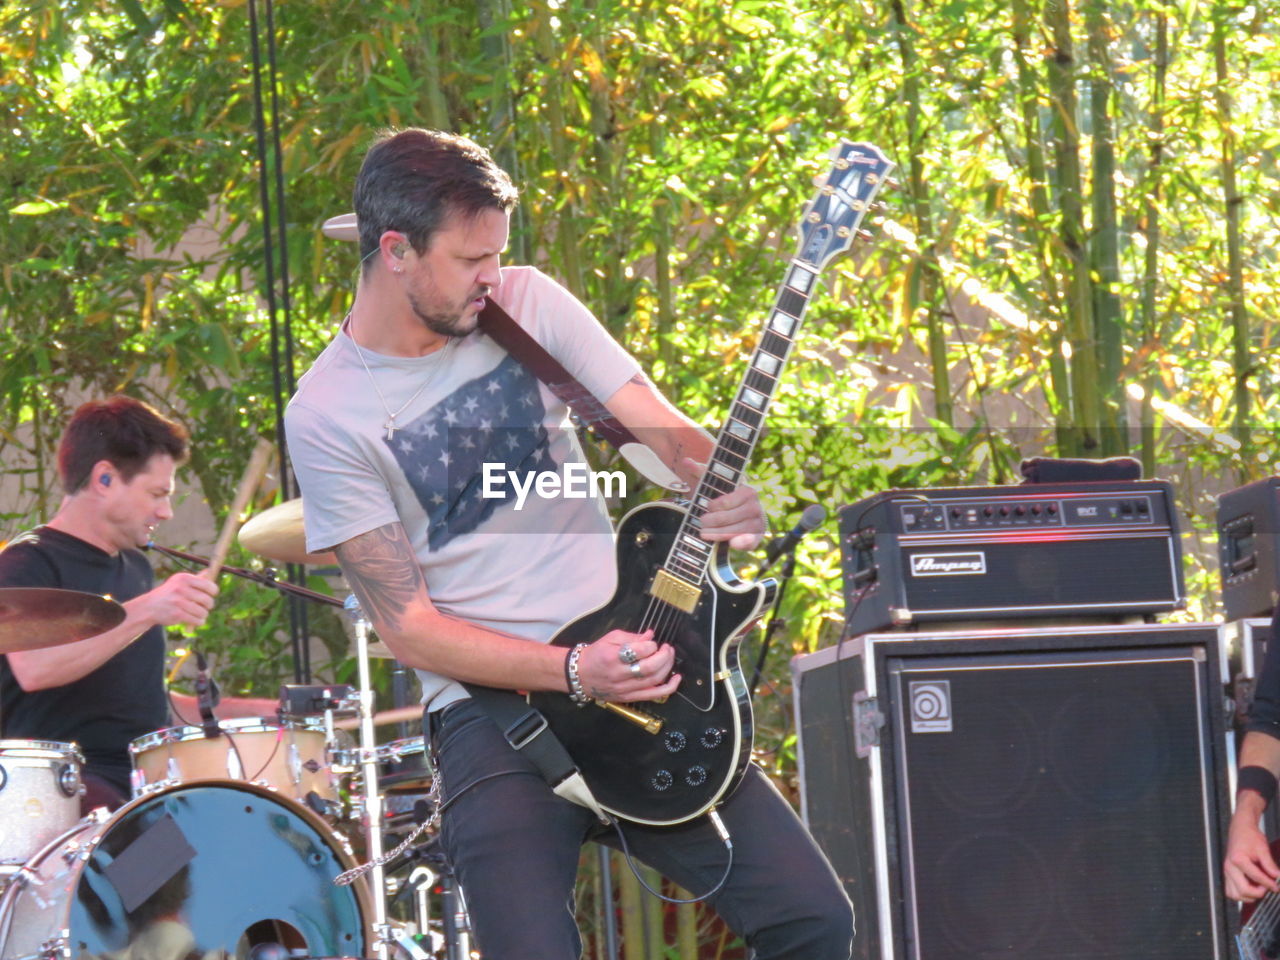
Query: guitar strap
(527, 731)
(499, 326)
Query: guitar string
(1268, 910)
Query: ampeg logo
(930, 706)
(948, 564)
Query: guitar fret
(725, 471)
(739, 429)
(782, 323)
(776, 344)
(694, 543)
(792, 302)
(766, 363)
(709, 480)
(801, 279)
(753, 398)
(761, 382)
(692, 569)
(736, 447)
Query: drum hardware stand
(384, 933)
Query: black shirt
(123, 698)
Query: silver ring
(627, 655)
(635, 670)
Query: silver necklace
(390, 425)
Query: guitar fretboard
(690, 555)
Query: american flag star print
(495, 418)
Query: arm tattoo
(383, 572)
(640, 379)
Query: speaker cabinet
(1056, 794)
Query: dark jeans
(514, 847)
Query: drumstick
(382, 718)
(257, 466)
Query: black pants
(514, 846)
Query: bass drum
(207, 870)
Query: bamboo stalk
(633, 932)
(1083, 373)
(1104, 256)
(1047, 257)
(567, 245)
(1151, 232)
(1241, 362)
(925, 275)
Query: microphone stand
(776, 621)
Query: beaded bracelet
(576, 693)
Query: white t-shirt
(525, 571)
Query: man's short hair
(412, 180)
(121, 430)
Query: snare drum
(290, 757)
(191, 870)
(39, 795)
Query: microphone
(207, 697)
(813, 516)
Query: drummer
(116, 462)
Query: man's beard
(447, 323)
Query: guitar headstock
(833, 216)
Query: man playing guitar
(389, 433)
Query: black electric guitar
(1259, 937)
(666, 762)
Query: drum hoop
(41, 750)
(234, 727)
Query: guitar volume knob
(662, 780)
(711, 738)
(696, 776)
(675, 741)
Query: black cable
(281, 309)
(626, 855)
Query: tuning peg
(863, 234)
(893, 182)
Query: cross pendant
(390, 427)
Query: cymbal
(35, 617)
(277, 534)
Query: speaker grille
(1060, 808)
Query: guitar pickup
(671, 589)
(650, 723)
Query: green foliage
(664, 152)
